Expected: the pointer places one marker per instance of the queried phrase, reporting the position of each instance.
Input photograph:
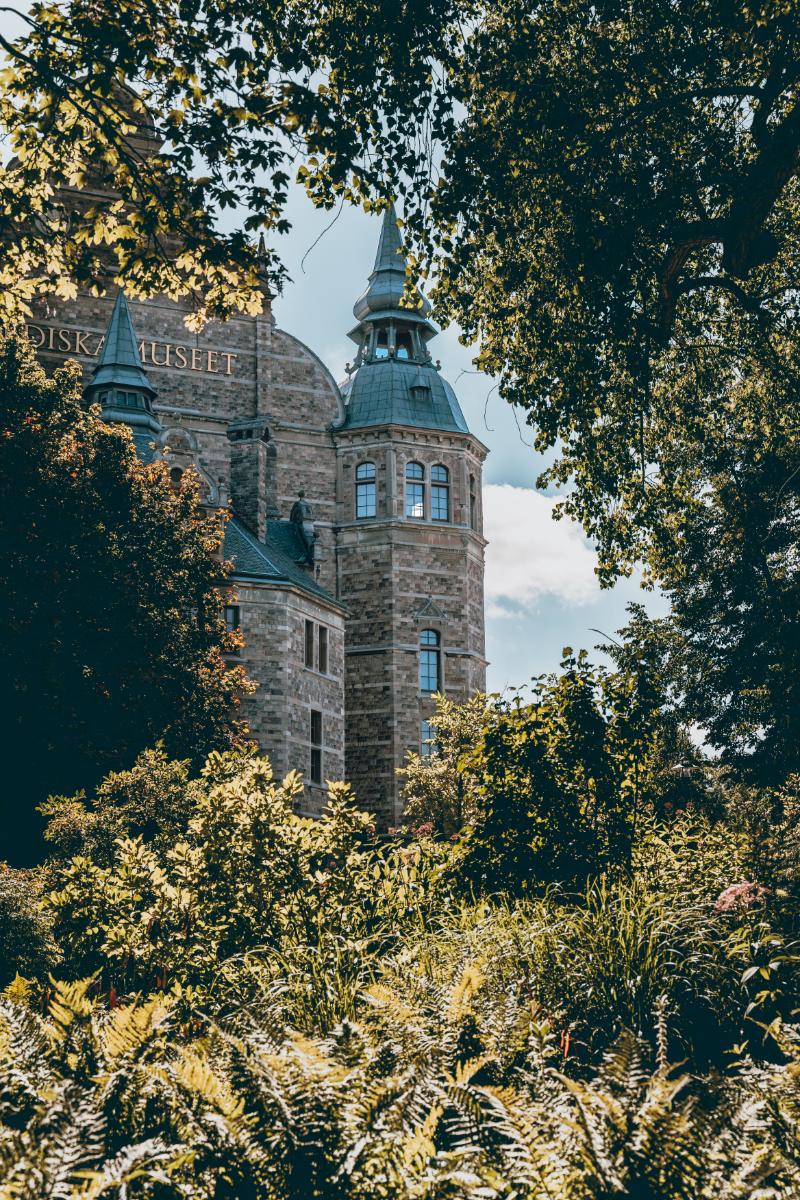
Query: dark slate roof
(119, 362)
(379, 393)
(388, 279)
(275, 560)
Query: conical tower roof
(120, 362)
(384, 292)
(120, 384)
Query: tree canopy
(111, 626)
(606, 195)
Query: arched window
(365, 491)
(440, 494)
(415, 491)
(175, 476)
(429, 661)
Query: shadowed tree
(111, 629)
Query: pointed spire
(390, 256)
(384, 293)
(119, 382)
(120, 362)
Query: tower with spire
(119, 383)
(409, 540)
(354, 522)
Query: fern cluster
(124, 1103)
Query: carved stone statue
(303, 517)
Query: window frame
(316, 739)
(415, 485)
(323, 647)
(440, 487)
(430, 654)
(366, 485)
(309, 639)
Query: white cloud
(531, 556)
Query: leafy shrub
(154, 800)
(27, 946)
(559, 782)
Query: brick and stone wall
(259, 415)
(273, 621)
(399, 576)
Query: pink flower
(740, 897)
(425, 829)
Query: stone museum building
(356, 528)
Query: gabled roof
(275, 560)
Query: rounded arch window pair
(366, 491)
(415, 492)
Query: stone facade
(261, 419)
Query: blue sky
(541, 590)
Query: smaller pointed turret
(120, 384)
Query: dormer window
(420, 389)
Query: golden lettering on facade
(158, 354)
(167, 360)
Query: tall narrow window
(415, 491)
(365, 490)
(429, 664)
(473, 504)
(232, 621)
(440, 494)
(323, 649)
(316, 746)
(309, 643)
(426, 747)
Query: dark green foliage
(731, 642)
(153, 800)
(559, 782)
(111, 629)
(27, 946)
